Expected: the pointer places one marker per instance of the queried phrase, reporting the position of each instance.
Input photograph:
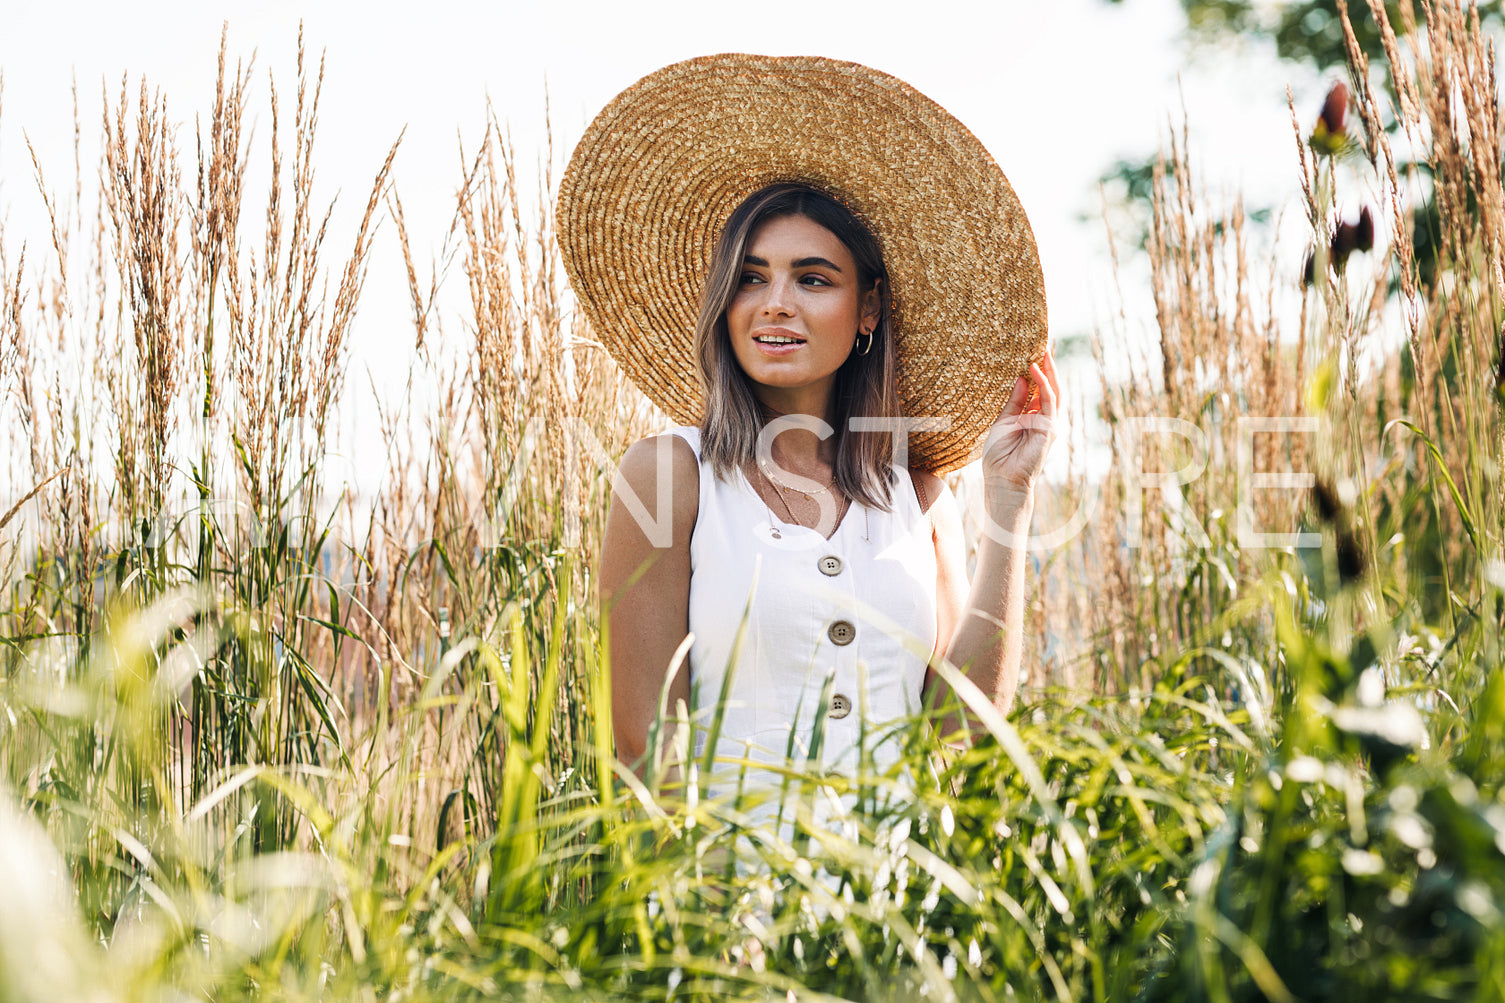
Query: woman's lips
(785, 348)
(777, 348)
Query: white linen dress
(854, 615)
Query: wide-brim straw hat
(660, 170)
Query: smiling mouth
(778, 339)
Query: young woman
(787, 564)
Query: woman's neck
(798, 447)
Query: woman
(778, 565)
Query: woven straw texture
(661, 168)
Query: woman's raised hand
(1014, 453)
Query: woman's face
(796, 312)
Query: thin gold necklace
(780, 484)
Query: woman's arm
(987, 636)
(645, 592)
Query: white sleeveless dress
(854, 615)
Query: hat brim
(659, 171)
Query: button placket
(841, 631)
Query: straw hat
(660, 170)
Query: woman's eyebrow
(752, 259)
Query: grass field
(258, 741)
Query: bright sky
(1055, 90)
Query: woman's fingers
(1046, 387)
(1013, 453)
(1037, 392)
(1048, 366)
(1015, 403)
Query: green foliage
(1322, 845)
(1363, 860)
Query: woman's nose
(779, 299)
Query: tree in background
(1309, 31)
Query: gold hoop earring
(865, 346)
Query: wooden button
(829, 565)
(841, 706)
(841, 632)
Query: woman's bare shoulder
(649, 461)
(649, 454)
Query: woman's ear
(872, 305)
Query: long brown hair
(866, 385)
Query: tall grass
(274, 743)
(1394, 362)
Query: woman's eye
(815, 280)
(748, 278)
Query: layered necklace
(770, 412)
(780, 487)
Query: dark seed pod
(1352, 561)
(1345, 240)
(1334, 118)
(1364, 232)
(1350, 237)
(1325, 500)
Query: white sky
(1055, 89)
